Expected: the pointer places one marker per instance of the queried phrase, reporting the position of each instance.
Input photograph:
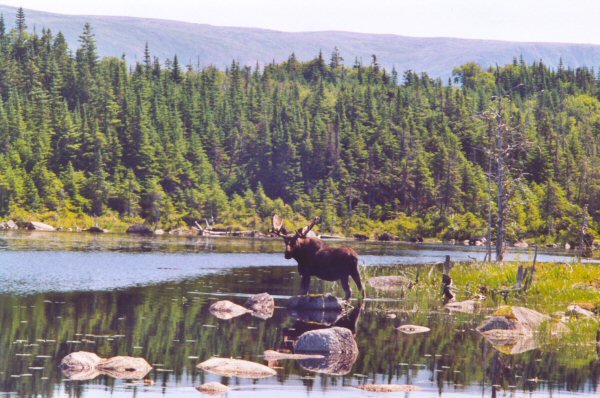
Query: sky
(568, 21)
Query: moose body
(315, 258)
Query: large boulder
(326, 302)
(513, 320)
(262, 305)
(511, 329)
(335, 340)
(336, 344)
(226, 309)
(229, 367)
(38, 226)
(139, 229)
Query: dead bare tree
(503, 142)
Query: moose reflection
(314, 257)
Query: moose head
(291, 240)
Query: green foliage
(367, 151)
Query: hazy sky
(576, 21)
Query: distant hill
(202, 45)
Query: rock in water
(516, 320)
(336, 344)
(262, 305)
(139, 229)
(123, 367)
(38, 226)
(83, 365)
(326, 302)
(80, 360)
(511, 329)
(225, 309)
(80, 365)
(236, 367)
(213, 388)
(388, 388)
(413, 329)
(334, 340)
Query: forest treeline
(369, 150)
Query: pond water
(150, 297)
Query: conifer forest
(369, 150)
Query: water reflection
(170, 325)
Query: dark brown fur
(314, 257)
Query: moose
(314, 257)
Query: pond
(150, 297)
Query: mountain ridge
(200, 45)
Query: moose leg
(304, 284)
(346, 287)
(356, 276)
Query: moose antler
(303, 231)
(278, 227)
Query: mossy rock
(505, 311)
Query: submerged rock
(393, 282)
(262, 305)
(229, 367)
(213, 388)
(413, 329)
(225, 309)
(321, 302)
(388, 388)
